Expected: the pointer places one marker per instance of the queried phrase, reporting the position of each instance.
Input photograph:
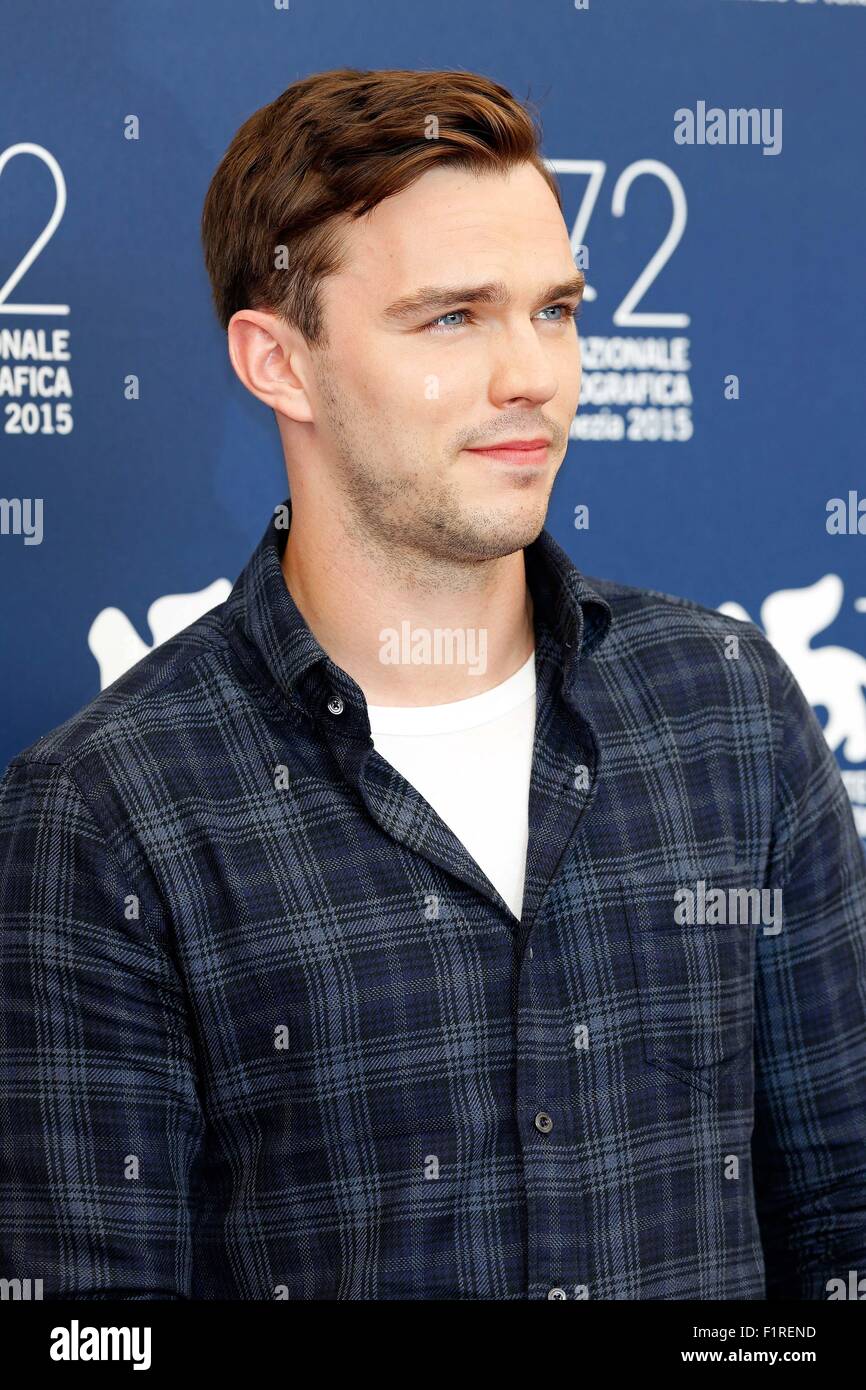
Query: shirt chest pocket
(693, 961)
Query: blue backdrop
(722, 407)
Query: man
(428, 920)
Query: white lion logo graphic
(115, 643)
(834, 677)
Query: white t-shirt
(472, 760)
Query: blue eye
(450, 315)
(436, 326)
(567, 312)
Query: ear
(272, 360)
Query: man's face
(404, 392)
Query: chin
(504, 534)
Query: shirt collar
(262, 612)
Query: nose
(522, 366)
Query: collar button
(335, 705)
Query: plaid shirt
(268, 1031)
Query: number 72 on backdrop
(625, 314)
(44, 236)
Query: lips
(523, 452)
(511, 446)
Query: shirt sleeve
(100, 1121)
(809, 1141)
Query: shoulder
(692, 656)
(131, 711)
(644, 616)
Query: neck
(409, 629)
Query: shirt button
(335, 705)
(556, 1293)
(543, 1122)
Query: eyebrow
(431, 297)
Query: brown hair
(332, 146)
